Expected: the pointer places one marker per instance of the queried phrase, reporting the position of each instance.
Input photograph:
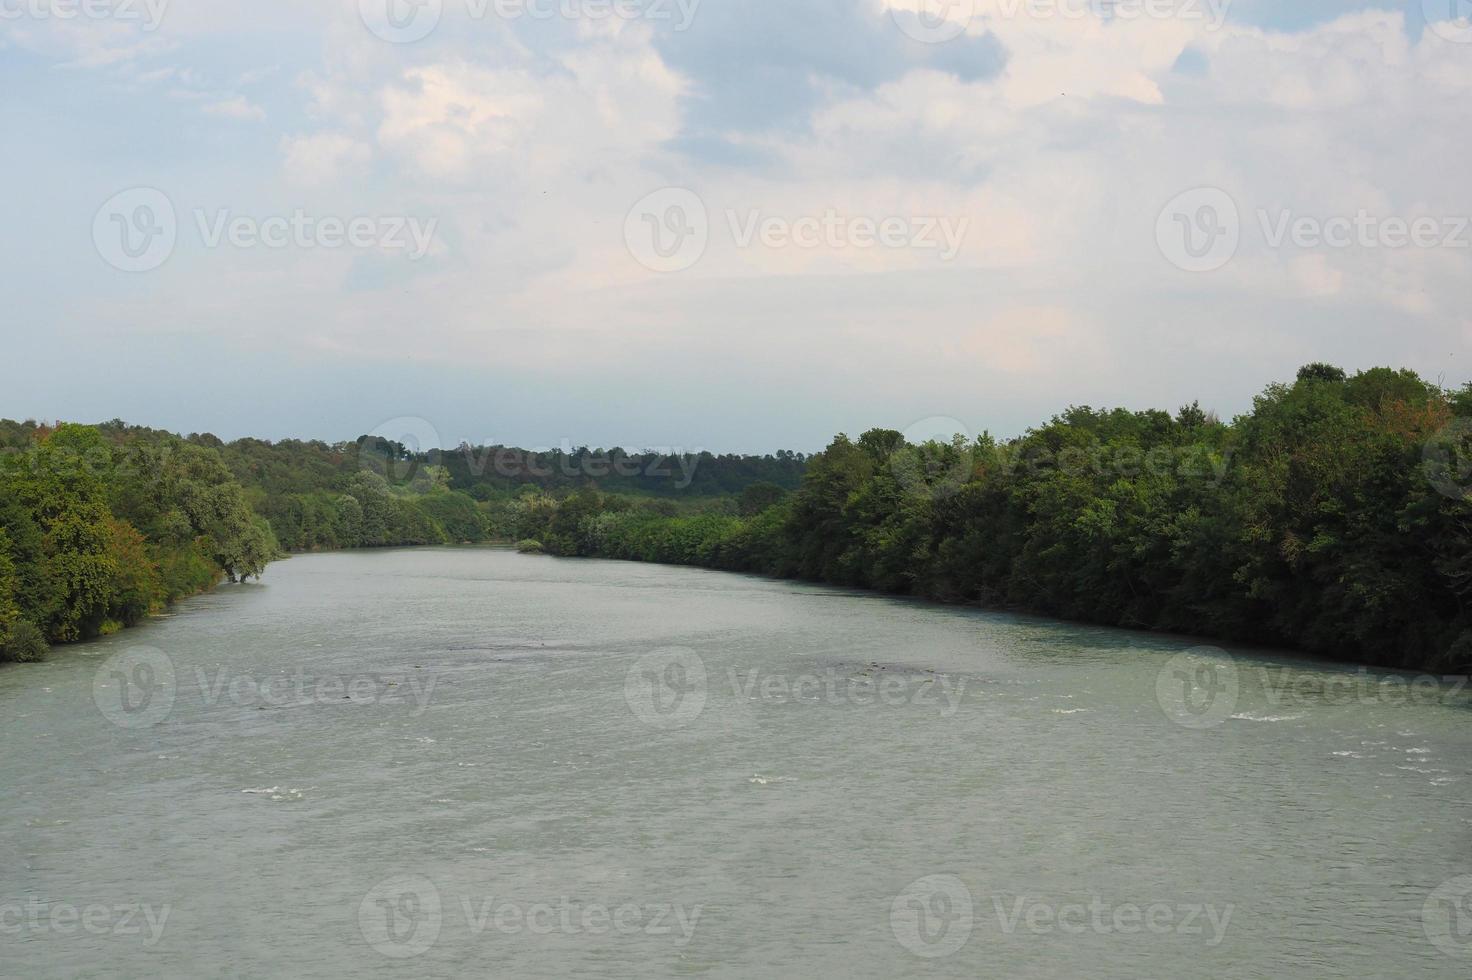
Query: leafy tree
(1318, 371)
(102, 525)
(757, 498)
(20, 640)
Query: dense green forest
(1335, 517)
(96, 532)
(102, 525)
(373, 492)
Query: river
(467, 762)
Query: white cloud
(531, 151)
(442, 118)
(323, 157)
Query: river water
(467, 762)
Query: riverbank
(100, 528)
(1335, 519)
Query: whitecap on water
(278, 794)
(1246, 716)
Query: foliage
(1335, 517)
(757, 498)
(100, 526)
(374, 492)
(22, 643)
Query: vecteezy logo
(135, 229)
(1199, 231)
(1198, 688)
(401, 21)
(1450, 20)
(1446, 459)
(934, 21)
(135, 688)
(1447, 917)
(392, 450)
(666, 688)
(933, 462)
(667, 231)
(933, 917)
(400, 917)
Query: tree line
(1335, 517)
(102, 525)
(96, 532)
(372, 492)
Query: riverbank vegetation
(102, 525)
(1334, 517)
(96, 533)
(374, 492)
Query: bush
(24, 644)
(530, 546)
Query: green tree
(758, 497)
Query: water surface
(466, 762)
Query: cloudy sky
(729, 224)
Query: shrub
(23, 644)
